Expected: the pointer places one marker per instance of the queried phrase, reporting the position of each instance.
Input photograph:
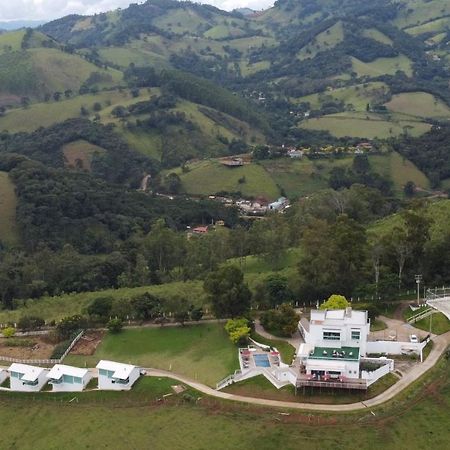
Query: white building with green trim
(68, 379)
(117, 376)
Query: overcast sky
(52, 9)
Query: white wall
(3, 376)
(394, 347)
(18, 385)
(108, 383)
(72, 387)
(375, 375)
(349, 369)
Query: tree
(57, 96)
(282, 321)
(97, 106)
(173, 183)
(335, 301)
(100, 308)
(409, 189)
(146, 306)
(25, 102)
(115, 325)
(196, 314)
(68, 325)
(275, 291)
(238, 330)
(227, 293)
(361, 164)
(28, 323)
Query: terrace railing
(230, 379)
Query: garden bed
(30, 347)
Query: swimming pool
(261, 360)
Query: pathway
(440, 344)
(295, 340)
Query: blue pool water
(261, 360)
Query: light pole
(418, 281)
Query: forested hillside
(116, 128)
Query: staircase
(422, 315)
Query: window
(106, 373)
(356, 335)
(16, 375)
(331, 336)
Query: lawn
(210, 177)
(286, 350)
(439, 324)
(202, 352)
(418, 417)
(8, 203)
(377, 325)
(260, 387)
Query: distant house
(3, 375)
(25, 378)
(116, 376)
(233, 162)
(200, 230)
(68, 379)
(280, 204)
(294, 154)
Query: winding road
(440, 345)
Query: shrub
(69, 326)
(28, 323)
(8, 332)
(280, 322)
(115, 325)
(238, 330)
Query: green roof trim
(336, 353)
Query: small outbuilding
(25, 378)
(68, 379)
(117, 376)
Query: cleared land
(323, 41)
(376, 35)
(79, 154)
(8, 204)
(210, 177)
(382, 66)
(364, 126)
(201, 352)
(418, 104)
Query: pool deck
(247, 358)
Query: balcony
(304, 380)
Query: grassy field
(357, 125)
(202, 352)
(429, 27)
(210, 177)
(8, 203)
(358, 95)
(323, 41)
(376, 35)
(399, 170)
(55, 308)
(46, 114)
(418, 417)
(79, 154)
(382, 66)
(419, 104)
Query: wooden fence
(44, 361)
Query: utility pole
(418, 281)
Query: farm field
(210, 177)
(358, 95)
(8, 203)
(420, 104)
(202, 352)
(352, 124)
(376, 35)
(420, 416)
(323, 41)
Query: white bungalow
(68, 379)
(3, 375)
(116, 376)
(25, 378)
